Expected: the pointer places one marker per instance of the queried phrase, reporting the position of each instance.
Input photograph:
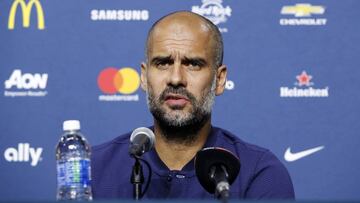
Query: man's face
(180, 75)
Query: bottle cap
(71, 125)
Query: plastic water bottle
(73, 164)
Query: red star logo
(304, 79)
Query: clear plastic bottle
(73, 164)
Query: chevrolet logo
(26, 9)
(302, 10)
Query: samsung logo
(119, 15)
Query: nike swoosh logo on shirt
(289, 156)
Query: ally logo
(23, 153)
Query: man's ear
(221, 73)
(143, 76)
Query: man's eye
(162, 65)
(194, 66)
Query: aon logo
(26, 80)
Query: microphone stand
(219, 176)
(137, 179)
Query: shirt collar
(158, 166)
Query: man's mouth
(176, 100)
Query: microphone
(216, 169)
(141, 140)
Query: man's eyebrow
(194, 60)
(161, 59)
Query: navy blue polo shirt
(261, 175)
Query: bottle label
(74, 172)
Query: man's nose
(177, 75)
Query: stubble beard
(177, 125)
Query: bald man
(182, 75)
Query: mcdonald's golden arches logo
(26, 9)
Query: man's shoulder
(119, 143)
(254, 157)
(262, 172)
(109, 162)
(228, 138)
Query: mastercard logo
(112, 80)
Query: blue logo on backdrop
(229, 85)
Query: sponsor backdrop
(293, 83)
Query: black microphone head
(215, 156)
(140, 133)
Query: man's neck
(177, 154)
